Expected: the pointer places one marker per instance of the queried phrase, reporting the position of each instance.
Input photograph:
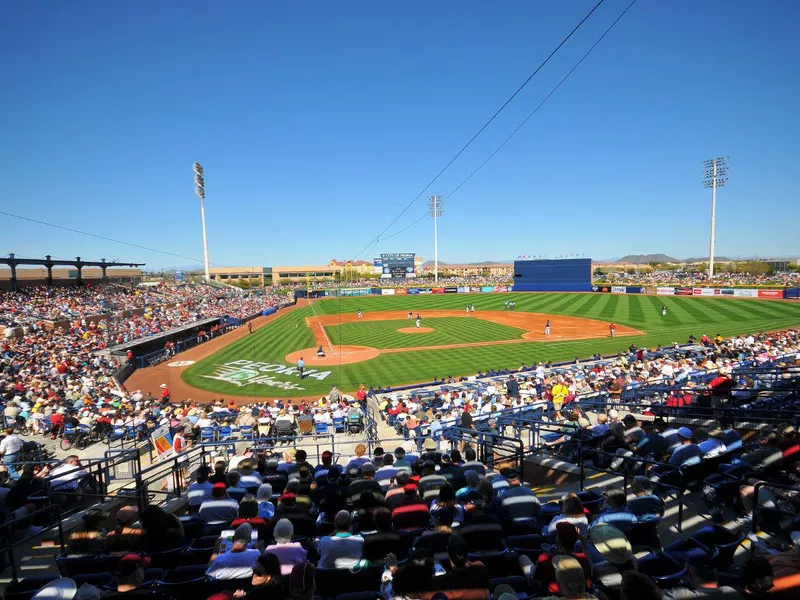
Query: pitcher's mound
(343, 355)
(415, 330)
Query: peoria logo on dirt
(248, 372)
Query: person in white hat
(63, 588)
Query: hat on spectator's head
(287, 496)
(510, 473)
(368, 469)
(127, 514)
(445, 459)
(334, 472)
(378, 451)
(62, 588)
(429, 444)
(504, 592)
(130, 563)
(570, 576)
(685, 433)
(284, 529)
(410, 488)
(243, 533)
(611, 543)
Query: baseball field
(385, 347)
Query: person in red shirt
(164, 393)
(545, 573)
(612, 328)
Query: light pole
(715, 175)
(200, 190)
(435, 210)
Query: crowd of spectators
(648, 277)
(444, 281)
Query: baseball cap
(368, 469)
(570, 577)
(685, 433)
(243, 533)
(131, 562)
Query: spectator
(125, 536)
(614, 511)
(703, 579)
(221, 509)
(129, 577)
(545, 574)
(267, 580)
(342, 550)
(90, 536)
(572, 512)
(688, 453)
(289, 553)
(518, 503)
(161, 531)
(239, 561)
(637, 586)
(200, 491)
(611, 555)
(470, 492)
(647, 504)
(266, 510)
(463, 575)
(570, 579)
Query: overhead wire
(105, 238)
(487, 123)
(528, 118)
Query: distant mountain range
(643, 259)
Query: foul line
(322, 329)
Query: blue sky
(318, 121)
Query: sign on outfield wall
(400, 291)
(617, 289)
(683, 291)
(451, 290)
(387, 292)
(412, 291)
(770, 293)
(746, 293)
(487, 288)
(665, 291)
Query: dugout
(556, 275)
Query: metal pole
(435, 246)
(713, 222)
(200, 190)
(716, 171)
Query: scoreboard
(399, 265)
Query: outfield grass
(446, 331)
(288, 333)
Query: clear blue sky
(317, 121)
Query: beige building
(490, 269)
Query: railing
(55, 520)
(623, 471)
(756, 491)
(492, 448)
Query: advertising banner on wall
(412, 291)
(617, 289)
(437, 290)
(682, 291)
(425, 291)
(500, 288)
(387, 292)
(727, 292)
(487, 289)
(463, 290)
(705, 292)
(745, 293)
(603, 289)
(400, 291)
(770, 293)
(634, 289)
(451, 290)
(665, 291)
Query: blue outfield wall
(552, 287)
(560, 275)
(791, 293)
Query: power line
(491, 119)
(528, 118)
(101, 237)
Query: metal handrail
(757, 489)
(8, 526)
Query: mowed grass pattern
(685, 316)
(446, 331)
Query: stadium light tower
(715, 175)
(435, 210)
(200, 190)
